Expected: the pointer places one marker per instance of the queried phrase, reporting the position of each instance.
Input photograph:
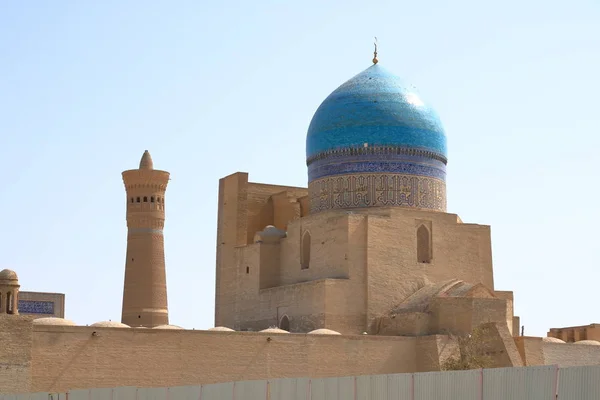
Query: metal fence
(527, 383)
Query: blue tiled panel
(36, 307)
(377, 108)
(390, 163)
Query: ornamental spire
(375, 60)
(146, 161)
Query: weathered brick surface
(570, 354)
(363, 262)
(16, 336)
(145, 287)
(70, 357)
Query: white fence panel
(122, 393)
(250, 390)
(323, 389)
(448, 385)
(216, 391)
(378, 387)
(23, 396)
(581, 383)
(289, 389)
(182, 393)
(100, 394)
(346, 386)
(531, 383)
(149, 394)
(80, 394)
(400, 386)
(383, 387)
(48, 396)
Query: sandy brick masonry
(145, 288)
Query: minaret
(145, 289)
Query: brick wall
(70, 357)
(15, 353)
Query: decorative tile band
(376, 150)
(391, 165)
(133, 231)
(36, 307)
(377, 190)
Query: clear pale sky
(211, 88)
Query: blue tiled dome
(374, 142)
(377, 108)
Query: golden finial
(375, 61)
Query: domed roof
(53, 321)
(8, 275)
(323, 331)
(552, 340)
(221, 329)
(589, 342)
(167, 327)
(375, 108)
(110, 324)
(274, 330)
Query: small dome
(8, 275)
(552, 340)
(110, 324)
(167, 327)
(53, 321)
(274, 330)
(323, 332)
(589, 342)
(221, 329)
(269, 234)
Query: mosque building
(363, 272)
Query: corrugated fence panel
(123, 393)
(42, 396)
(217, 391)
(250, 390)
(332, 388)
(23, 396)
(378, 387)
(532, 383)
(448, 385)
(526, 383)
(100, 394)
(320, 389)
(384, 387)
(346, 387)
(183, 393)
(150, 394)
(363, 388)
(581, 383)
(400, 386)
(289, 389)
(80, 394)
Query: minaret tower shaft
(145, 288)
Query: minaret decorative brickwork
(145, 289)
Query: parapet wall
(65, 357)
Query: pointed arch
(305, 250)
(284, 323)
(424, 253)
